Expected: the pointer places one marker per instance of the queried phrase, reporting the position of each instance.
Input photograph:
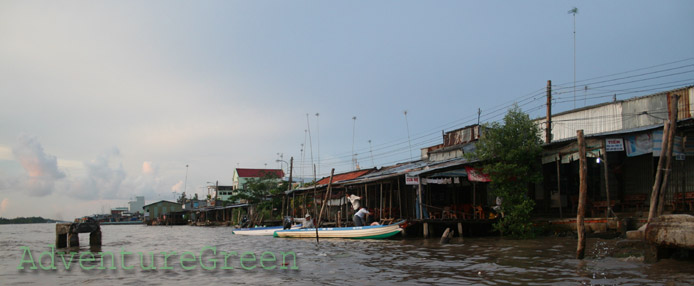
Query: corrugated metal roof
(412, 168)
(257, 173)
(437, 168)
(609, 133)
(345, 176)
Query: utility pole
(479, 112)
(574, 11)
(186, 182)
(318, 138)
(291, 169)
(409, 141)
(354, 158)
(372, 154)
(548, 131)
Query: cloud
(42, 168)
(178, 187)
(105, 175)
(148, 168)
(4, 204)
(35, 161)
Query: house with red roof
(241, 175)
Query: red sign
(411, 180)
(475, 175)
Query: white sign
(613, 145)
(411, 180)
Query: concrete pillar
(73, 239)
(61, 230)
(460, 229)
(60, 240)
(95, 238)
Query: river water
(473, 261)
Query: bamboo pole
(668, 153)
(583, 190)
(399, 198)
(606, 171)
(658, 175)
(419, 195)
(380, 203)
(315, 183)
(559, 186)
(326, 198)
(390, 206)
(366, 196)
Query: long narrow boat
(270, 230)
(356, 232)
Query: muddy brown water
(472, 261)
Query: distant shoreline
(26, 220)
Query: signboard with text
(614, 144)
(411, 180)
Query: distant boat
(356, 232)
(270, 230)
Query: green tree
(262, 193)
(510, 155)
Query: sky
(106, 100)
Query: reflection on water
(483, 261)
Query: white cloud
(42, 169)
(105, 175)
(5, 153)
(3, 205)
(148, 168)
(178, 187)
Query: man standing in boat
(355, 201)
(360, 217)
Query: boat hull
(260, 231)
(358, 232)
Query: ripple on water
(488, 261)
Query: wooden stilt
(668, 153)
(583, 190)
(446, 237)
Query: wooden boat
(356, 232)
(270, 230)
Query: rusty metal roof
(345, 176)
(257, 173)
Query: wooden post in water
(460, 229)
(583, 192)
(668, 153)
(447, 235)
